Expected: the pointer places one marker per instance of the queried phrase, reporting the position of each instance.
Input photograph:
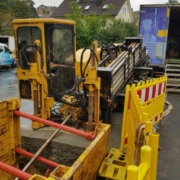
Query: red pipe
(47, 173)
(14, 171)
(39, 158)
(89, 136)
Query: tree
(104, 28)
(45, 11)
(76, 15)
(5, 18)
(11, 9)
(20, 9)
(32, 10)
(117, 31)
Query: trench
(60, 153)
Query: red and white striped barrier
(157, 118)
(151, 92)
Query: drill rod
(43, 147)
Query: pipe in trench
(14, 171)
(43, 147)
(39, 158)
(89, 136)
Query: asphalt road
(169, 156)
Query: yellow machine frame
(35, 75)
(82, 167)
(9, 134)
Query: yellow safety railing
(143, 102)
(9, 136)
(138, 154)
(143, 108)
(152, 96)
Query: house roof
(94, 6)
(40, 12)
(44, 6)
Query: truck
(160, 31)
(9, 41)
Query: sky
(134, 3)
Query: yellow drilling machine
(82, 86)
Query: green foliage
(45, 11)
(20, 9)
(13, 9)
(32, 2)
(117, 31)
(104, 28)
(110, 7)
(76, 15)
(88, 30)
(4, 8)
(75, 11)
(93, 26)
(32, 10)
(5, 18)
(173, 2)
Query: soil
(60, 153)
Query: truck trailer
(160, 29)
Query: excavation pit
(64, 149)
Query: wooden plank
(172, 74)
(178, 70)
(173, 62)
(172, 90)
(175, 84)
(174, 79)
(172, 65)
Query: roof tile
(95, 6)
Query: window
(87, 7)
(60, 44)
(60, 56)
(105, 6)
(124, 10)
(1, 49)
(27, 36)
(7, 51)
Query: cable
(33, 46)
(81, 70)
(168, 110)
(81, 60)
